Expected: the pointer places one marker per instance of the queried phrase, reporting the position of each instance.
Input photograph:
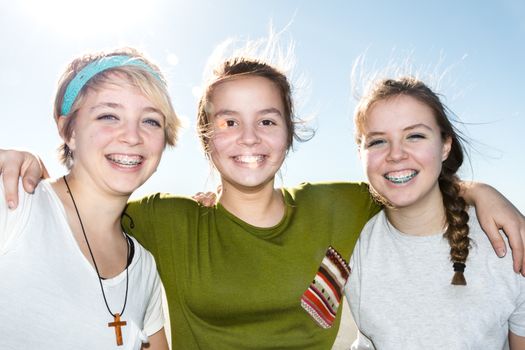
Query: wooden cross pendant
(117, 323)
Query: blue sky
(477, 47)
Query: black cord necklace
(117, 323)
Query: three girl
(253, 271)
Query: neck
(100, 215)
(261, 207)
(99, 211)
(419, 220)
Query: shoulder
(43, 196)
(482, 252)
(160, 203)
(342, 190)
(373, 228)
(479, 239)
(143, 258)
(41, 203)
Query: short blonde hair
(149, 81)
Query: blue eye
(153, 122)
(374, 143)
(107, 117)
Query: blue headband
(92, 69)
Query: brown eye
(267, 122)
(416, 136)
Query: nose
(396, 152)
(131, 134)
(249, 135)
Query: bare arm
(496, 213)
(157, 341)
(516, 342)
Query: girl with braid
(422, 275)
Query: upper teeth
(249, 159)
(401, 177)
(124, 159)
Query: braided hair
(455, 206)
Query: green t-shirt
(231, 285)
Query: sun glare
(84, 18)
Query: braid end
(459, 278)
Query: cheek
(371, 162)
(278, 141)
(219, 142)
(158, 145)
(104, 132)
(282, 147)
(432, 157)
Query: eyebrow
(115, 105)
(408, 128)
(419, 125)
(229, 112)
(106, 104)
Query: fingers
(14, 164)
(10, 169)
(495, 239)
(207, 199)
(31, 172)
(198, 196)
(520, 228)
(516, 237)
(522, 233)
(45, 173)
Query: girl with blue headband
(253, 271)
(71, 278)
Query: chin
(398, 202)
(125, 187)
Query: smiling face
(402, 150)
(248, 132)
(117, 139)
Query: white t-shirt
(50, 297)
(401, 297)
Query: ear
(61, 125)
(447, 146)
(359, 149)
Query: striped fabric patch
(322, 298)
